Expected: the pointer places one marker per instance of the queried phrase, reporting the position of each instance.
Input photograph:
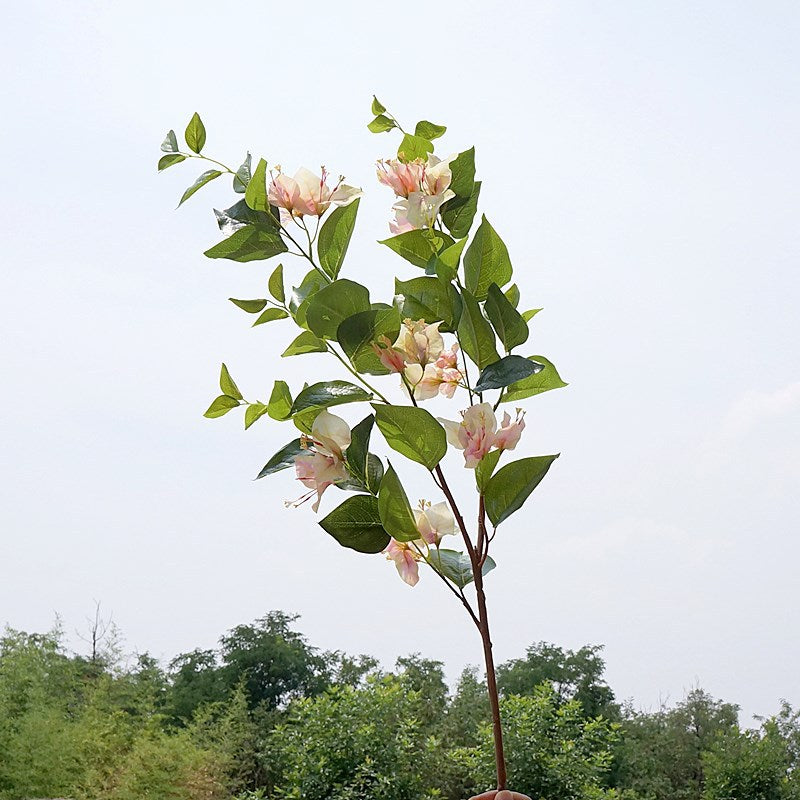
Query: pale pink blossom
(477, 432)
(422, 188)
(394, 360)
(403, 178)
(405, 559)
(307, 194)
(420, 343)
(507, 437)
(434, 522)
(323, 463)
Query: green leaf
(242, 176)
(334, 237)
(169, 159)
(275, 284)
(429, 299)
(221, 406)
(356, 524)
(475, 334)
(256, 193)
(463, 170)
(170, 143)
(280, 401)
(270, 315)
(459, 212)
(530, 314)
(358, 448)
(306, 342)
(511, 486)
(248, 243)
(429, 130)
(507, 321)
(328, 393)
(253, 413)
(377, 106)
(451, 256)
(415, 246)
(381, 124)
(412, 432)
(201, 181)
(512, 295)
(283, 459)
(395, 510)
(334, 303)
(506, 371)
(486, 261)
(357, 333)
(250, 306)
(413, 147)
(457, 566)
(240, 215)
(301, 295)
(304, 421)
(195, 133)
(485, 468)
(228, 385)
(543, 381)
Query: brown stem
(491, 679)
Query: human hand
(503, 794)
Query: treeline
(266, 715)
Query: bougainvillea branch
(462, 288)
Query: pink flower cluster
(306, 194)
(477, 433)
(421, 188)
(419, 354)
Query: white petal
(451, 429)
(329, 426)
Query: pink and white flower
(323, 464)
(405, 558)
(307, 194)
(442, 377)
(434, 522)
(477, 432)
(422, 187)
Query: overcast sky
(640, 159)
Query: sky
(639, 159)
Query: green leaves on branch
(334, 237)
(476, 334)
(394, 509)
(334, 303)
(252, 234)
(356, 334)
(506, 371)
(230, 398)
(381, 124)
(542, 381)
(486, 261)
(240, 215)
(301, 295)
(326, 394)
(412, 432)
(511, 486)
(195, 134)
(270, 315)
(250, 306)
(457, 566)
(430, 299)
(275, 284)
(170, 143)
(283, 459)
(280, 401)
(356, 524)
(511, 328)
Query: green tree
(574, 675)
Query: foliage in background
(273, 717)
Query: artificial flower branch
(464, 290)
